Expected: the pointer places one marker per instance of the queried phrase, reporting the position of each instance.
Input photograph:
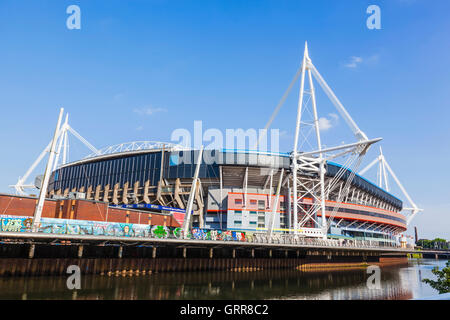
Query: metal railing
(114, 229)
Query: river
(399, 282)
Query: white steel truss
(62, 142)
(136, 146)
(48, 171)
(382, 178)
(309, 168)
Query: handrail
(95, 228)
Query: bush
(443, 282)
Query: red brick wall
(82, 210)
(20, 206)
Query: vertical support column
(61, 137)
(43, 191)
(274, 207)
(187, 218)
(120, 253)
(125, 193)
(66, 147)
(80, 252)
(106, 193)
(72, 209)
(297, 131)
(270, 189)
(97, 192)
(60, 208)
(31, 251)
(154, 252)
(319, 147)
(115, 198)
(136, 192)
(211, 252)
(245, 188)
(221, 198)
(146, 186)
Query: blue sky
(137, 70)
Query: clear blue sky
(137, 70)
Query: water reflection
(396, 283)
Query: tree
(443, 279)
(424, 243)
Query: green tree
(442, 284)
(424, 243)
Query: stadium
(306, 193)
(236, 192)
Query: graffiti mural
(160, 232)
(98, 228)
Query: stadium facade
(235, 191)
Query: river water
(399, 282)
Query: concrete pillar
(146, 185)
(89, 193)
(106, 193)
(31, 251)
(97, 193)
(120, 254)
(136, 191)
(115, 198)
(125, 193)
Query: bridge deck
(98, 239)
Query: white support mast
(43, 191)
(321, 157)
(309, 164)
(187, 216)
(382, 166)
(62, 143)
(297, 131)
(275, 206)
(61, 137)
